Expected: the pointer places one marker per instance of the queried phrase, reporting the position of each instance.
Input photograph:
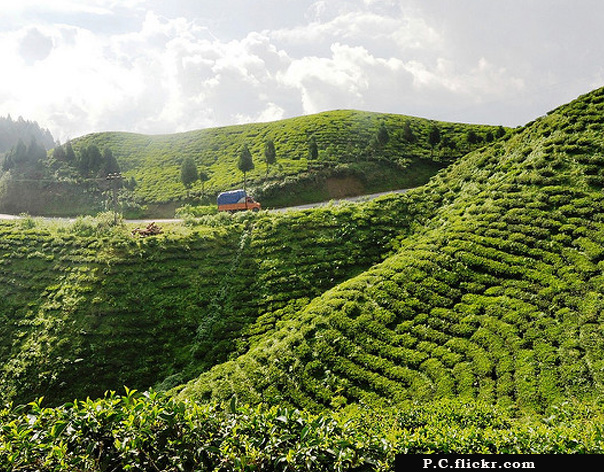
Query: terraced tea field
(495, 295)
(464, 316)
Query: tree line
(88, 162)
(13, 131)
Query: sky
(166, 66)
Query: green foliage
(313, 149)
(465, 315)
(152, 431)
(485, 297)
(376, 152)
(342, 138)
(245, 163)
(182, 301)
(103, 224)
(270, 154)
(188, 172)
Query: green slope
(105, 309)
(463, 305)
(350, 161)
(496, 295)
(483, 284)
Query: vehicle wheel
(255, 209)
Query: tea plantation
(349, 152)
(86, 296)
(495, 295)
(464, 316)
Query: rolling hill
(495, 294)
(350, 158)
(462, 316)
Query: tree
(188, 172)
(59, 153)
(382, 135)
(90, 160)
(434, 137)
(35, 152)
(245, 163)
(313, 149)
(18, 154)
(203, 177)
(69, 153)
(408, 133)
(270, 155)
(110, 165)
(471, 138)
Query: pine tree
(434, 137)
(382, 135)
(313, 149)
(408, 133)
(110, 164)
(270, 154)
(70, 156)
(245, 163)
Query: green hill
(464, 316)
(350, 158)
(141, 312)
(495, 294)
(482, 284)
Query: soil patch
(340, 187)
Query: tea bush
(152, 431)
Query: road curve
(360, 198)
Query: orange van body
(237, 200)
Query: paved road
(360, 198)
(298, 207)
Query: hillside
(142, 312)
(484, 283)
(495, 295)
(464, 316)
(351, 158)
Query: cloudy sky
(163, 66)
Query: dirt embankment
(341, 187)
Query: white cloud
(92, 65)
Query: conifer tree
(313, 149)
(245, 163)
(110, 164)
(408, 134)
(270, 154)
(434, 137)
(382, 135)
(188, 172)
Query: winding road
(298, 207)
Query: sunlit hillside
(495, 294)
(351, 157)
(464, 316)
